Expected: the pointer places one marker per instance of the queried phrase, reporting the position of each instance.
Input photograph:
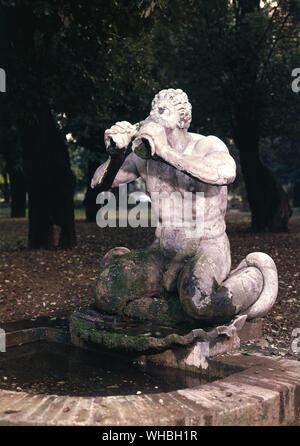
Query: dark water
(44, 367)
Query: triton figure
(179, 278)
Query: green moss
(160, 310)
(132, 277)
(87, 331)
(111, 340)
(142, 255)
(157, 310)
(175, 310)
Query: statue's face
(165, 114)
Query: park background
(74, 68)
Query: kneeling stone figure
(180, 277)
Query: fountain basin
(250, 390)
(61, 369)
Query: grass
(5, 213)
(237, 216)
(296, 211)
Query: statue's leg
(207, 292)
(254, 285)
(199, 281)
(126, 276)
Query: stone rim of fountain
(256, 390)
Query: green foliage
(98, 62)
(283, 156)
(92, 62)
(235, 58)
(217, 52)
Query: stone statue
(179, 278)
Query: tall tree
(26, 45)
(115, 78)
(11, 162)
(254, 62)
(235, 58)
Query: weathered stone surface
(100, 333)
(25, 336)
(196, 357)
(185, 275)
(253, 329)
(91, 326)
(265, 392)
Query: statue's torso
(162, 178)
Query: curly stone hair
(180, 100)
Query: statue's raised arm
(120, 166)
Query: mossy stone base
(118, 334)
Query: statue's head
(171, 109)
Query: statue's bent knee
(127, 277)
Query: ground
(54, 283)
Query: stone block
(253, 329)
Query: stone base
(163, 346)
(194, 358)
(252, 330)
(114, 333)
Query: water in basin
(52, 368)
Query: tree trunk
(91, 208)
(296, 200)
(50, 182)
(268, 201)
(5, 189)
(18, 194)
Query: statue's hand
(155, 135)
(119, 136)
